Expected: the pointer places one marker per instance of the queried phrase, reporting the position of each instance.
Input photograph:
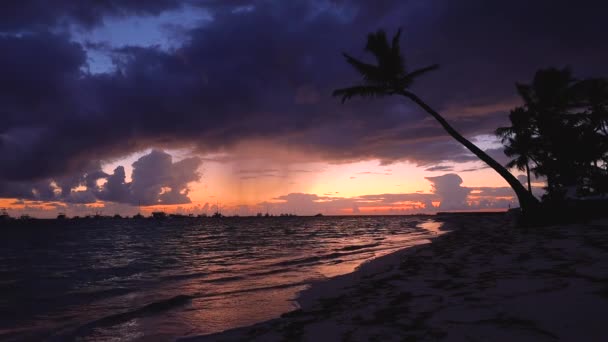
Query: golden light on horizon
(243, 187)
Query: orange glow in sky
(247, 187)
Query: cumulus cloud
(447, 194)
(447, 191)
(156, 179)
(449, 188)
(439, 168)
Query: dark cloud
(27, 15)
(481, 167)
(439, 168)
(393, 199)
(249, 174)
(264, 75)
(156, 179)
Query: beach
(485, 280)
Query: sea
(158, 280)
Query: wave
(314, 259)
(147, 310)
(271, 272)
(253, 289)
(356, 247)
(225, 279)
(185, 276)
(100, 294)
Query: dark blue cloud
(27, 15)
(156, 179)
(264, 73)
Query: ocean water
(132, 280)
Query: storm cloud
(260, 72)
(156, 180)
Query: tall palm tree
(560, 115)
(391, 77)
(519, 141)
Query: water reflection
(158, 280)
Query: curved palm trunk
(527, 201)
(528, 174)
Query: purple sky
(86, 83)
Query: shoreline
(315, 292)
(318, 290)
(485, 280)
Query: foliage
(561, 132)
(389, 76)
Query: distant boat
(61, 216)
(319, 215)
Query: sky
(189, 106)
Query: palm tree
(558, 116)
(519, 141)
(390, 77)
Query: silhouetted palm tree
(547, 102)
(390, 77)
(519, 140)
(593, 93)
(561, 128)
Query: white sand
(486, 281)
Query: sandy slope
(485, 281)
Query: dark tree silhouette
(390, 77)
(560, 133)
(547, 101)
(519, 141)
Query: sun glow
(245, 187)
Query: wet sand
(484, 281)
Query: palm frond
(511, 164)
(525, 92)
(504, 133)
(396, 52)
(389, 62)
(388, 76)
(368, 71)
(377, 43)
(361, 91)
(418, 72)
(509, 150)
(395, 44)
